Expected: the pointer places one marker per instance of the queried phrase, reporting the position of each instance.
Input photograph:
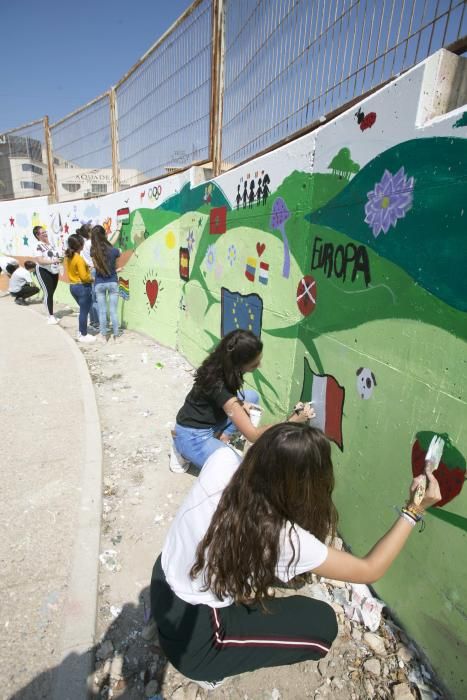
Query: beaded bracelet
(406, 517)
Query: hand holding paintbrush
(432, 460)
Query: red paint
(260, 248)
(450, 479)
(368, 121)
(218, 220)
(152, 290)
(306, 295)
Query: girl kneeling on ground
(217, 404)
(80, 284)
(242, 526)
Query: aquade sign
(341, 260)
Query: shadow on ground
(122, 660)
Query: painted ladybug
(365, 121)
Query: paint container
(255, 415)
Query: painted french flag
(327, 396)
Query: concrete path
(50, 466)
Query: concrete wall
(348, 254)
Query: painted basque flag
(250, 269)
(123, 215)
(328, 401)
(263, 273)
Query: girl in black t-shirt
(217, 404)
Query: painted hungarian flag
(123, 215)
(263, 273)
(327, 396)
(250, 269)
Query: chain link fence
(288, 63)
(229, 80)
(82, 152)
(164, 103)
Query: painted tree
(343, 165)
(279, 216)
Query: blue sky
(57, 55)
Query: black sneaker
(20, 302)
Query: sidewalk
(50, 515)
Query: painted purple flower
(190, 239)
(389, 201)
(279, 216)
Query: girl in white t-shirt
(242, 527)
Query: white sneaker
(86, 339)
(52, 321)
(177, 463)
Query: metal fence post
(50, 162)
(217, 86)
(114, 138)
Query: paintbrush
(432, 460)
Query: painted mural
(345, 251)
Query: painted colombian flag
(328, 401)
(263, 273)
(243, 311)
(250, 269)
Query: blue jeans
(82, 294)
(197, 444)
(101, 295)
(93, 313)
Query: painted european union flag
(243, 311)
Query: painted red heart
(152, 290)
(260, 247)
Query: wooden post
(217, 84)
(114, 138)
(50, 162)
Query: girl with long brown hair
(242, 527)
(218, 403)
(104, 257)
(80, 284)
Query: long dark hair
(75, 244)
(99, 250)
(286, 476)
(224, 364)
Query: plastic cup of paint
(255, 415)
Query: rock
(356, 634)
(116, 669)
(178, 694)
(151, 689)
(338, 609)
(105, 650)
(405, 654)
(401, 691)
(372, 666)
(369, 688)
(375, 642)
(275, 695)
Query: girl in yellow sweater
(81, 284)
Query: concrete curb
(76, 653)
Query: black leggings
(48, 281)
(209, 644)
